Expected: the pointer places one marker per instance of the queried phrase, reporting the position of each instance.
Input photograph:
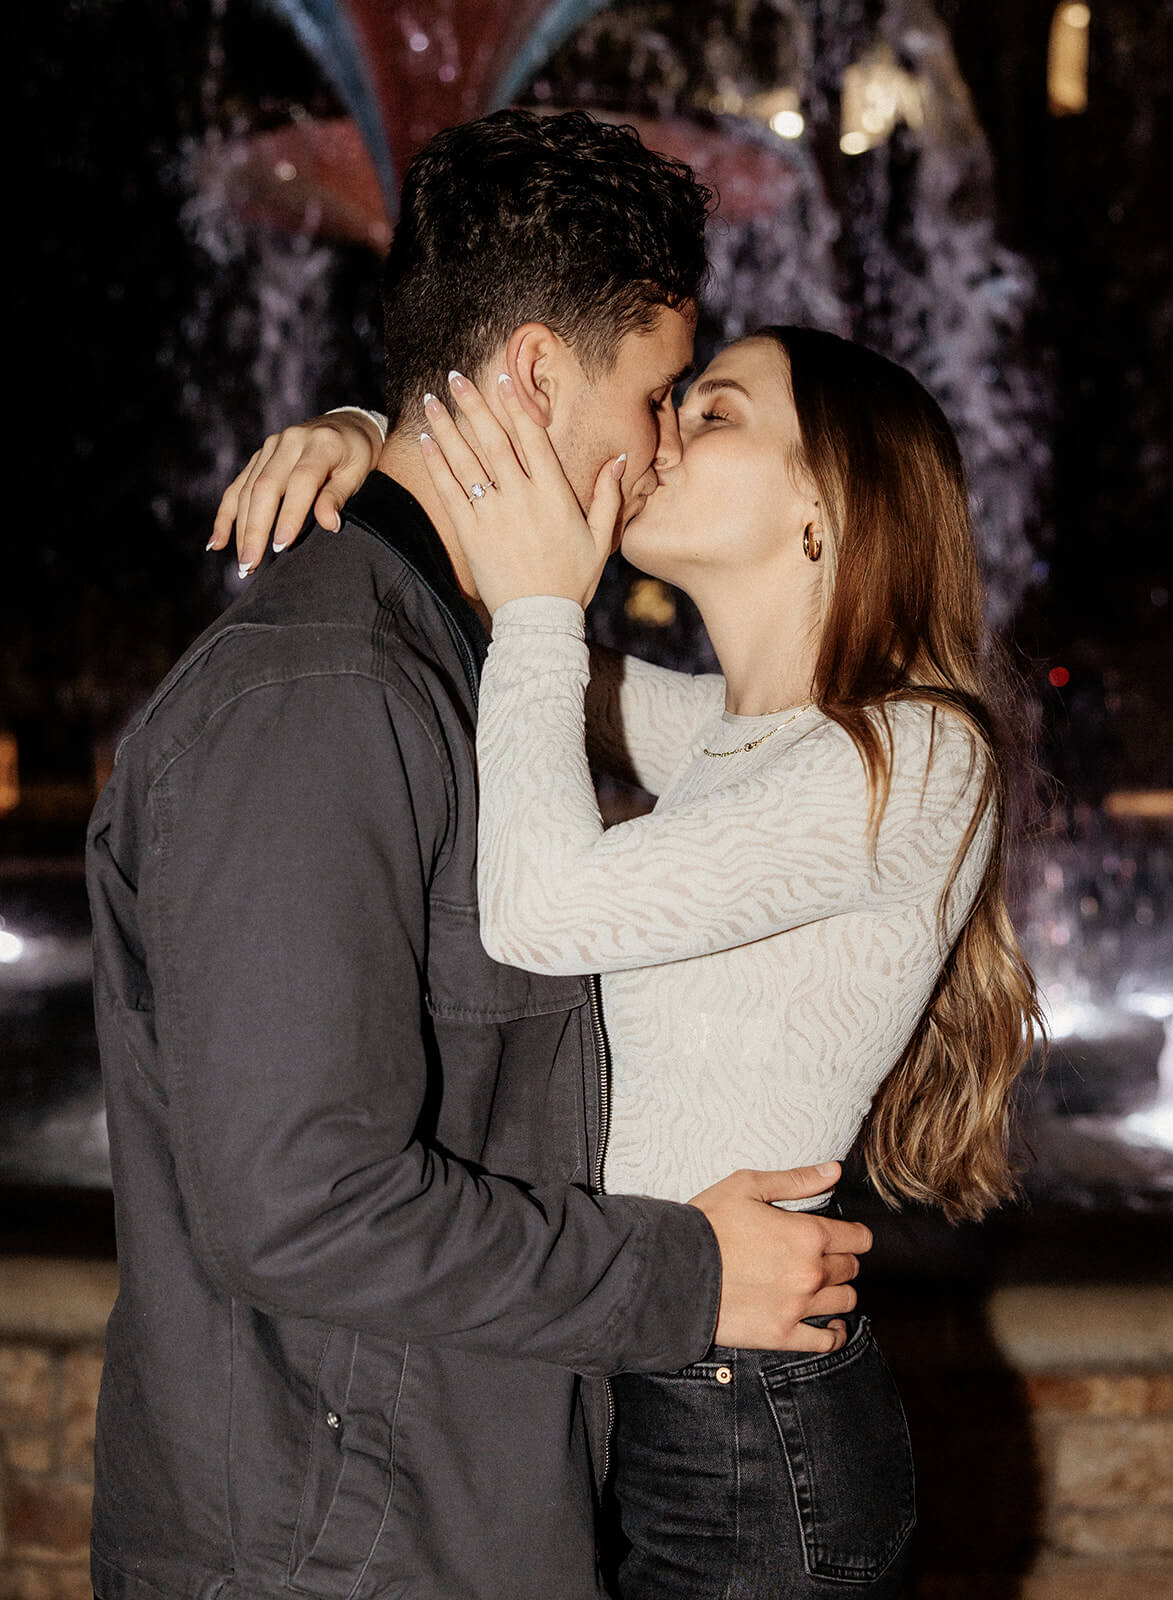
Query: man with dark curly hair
(369, 1287)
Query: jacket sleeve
(286, 896)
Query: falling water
(276, 318)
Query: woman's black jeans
(763, 1475)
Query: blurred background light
(9, 773)
(779, 110)
(651, 602)
(1153, 804)
(1067, 59)
(878, 96)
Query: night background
(980, 188)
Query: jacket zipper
(603, 1067)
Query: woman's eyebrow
(708, 386)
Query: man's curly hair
(519, 217)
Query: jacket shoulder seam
(300, 676)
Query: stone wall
(1042, 1416)
(1042, 1422)
(52, 1318)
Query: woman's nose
(668, 446)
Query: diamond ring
(479, 490)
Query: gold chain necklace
(744, 749)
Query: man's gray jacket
(362, 1256)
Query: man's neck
(400, 459)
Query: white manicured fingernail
(826, 1168)
(244, 568)
(277, 548)
(211, 544)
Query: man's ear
(535, 358)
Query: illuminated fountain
(280, 197)
(854, 181)
(1097, 919)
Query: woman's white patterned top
(763, 966)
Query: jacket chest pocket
(466, 985)
(350, 1479)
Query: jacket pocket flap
(466, 984)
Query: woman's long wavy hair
(902, 619)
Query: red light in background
(1059, 677)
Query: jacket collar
(388, 511)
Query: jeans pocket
(847, 1449)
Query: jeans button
(724, 1375)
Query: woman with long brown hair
(805, 946)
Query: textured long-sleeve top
(765, 958)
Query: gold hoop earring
(812, 548)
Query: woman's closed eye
(710, 415)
